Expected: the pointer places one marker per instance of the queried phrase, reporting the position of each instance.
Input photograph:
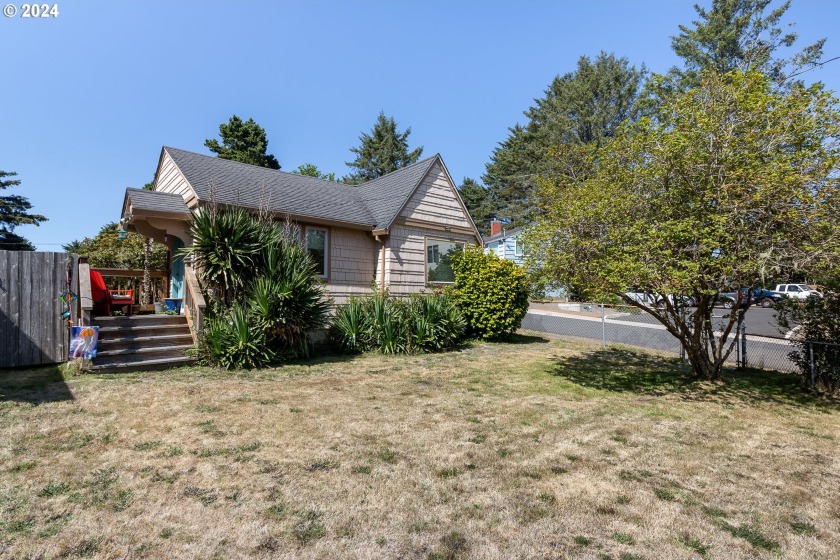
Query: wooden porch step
(143, 350)
(120, 329)
(148, 340)
(142, 365)
(140, 320)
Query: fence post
(812, 365)
(603, 328)
(743, 344)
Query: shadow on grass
(34, 385)
(520, 338)
(628, 371)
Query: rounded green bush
(491, 292)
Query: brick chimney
(495, 227)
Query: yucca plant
(231, 341)
(226, 242)
(262, 285)
(351, 328)
(392, 326)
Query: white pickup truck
(796, 291)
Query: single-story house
(394, 232)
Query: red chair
(103, 298)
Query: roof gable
(154, 201)
(387, 195)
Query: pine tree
(382, 151)
(243, 141)
(583, 107)
(479, 203)
(14, 211)
(738, 35)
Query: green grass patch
(751, 535)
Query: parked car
(797, 291)
(656, 300)
(757, 296)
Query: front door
(176, 289)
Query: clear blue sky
(89, 98)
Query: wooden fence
(32, 331)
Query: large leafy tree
(479, 202)
(583, 107)
(14, 211)
(107, 250)
(243, 141)
(734, 180)
(382, 151)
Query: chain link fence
(760, 344)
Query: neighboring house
(394, 232)
(505, 244)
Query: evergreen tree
(583, 107)
(479, 203)
(243, 141)
(738, 35)
(14, 211)
(382, 151)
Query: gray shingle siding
(374, 204)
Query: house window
(518, 249)
(438, 267)
(316, 244)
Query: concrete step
(126, 366)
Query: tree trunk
(704, 366)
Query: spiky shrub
(393, 326)
(491, 292)
(226, 244)
(287, 301)
(231, 341)
(263, 290)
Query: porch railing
(132, 279)
(116, 278)
(194, 303)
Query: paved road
(759, 321)
(646, 332)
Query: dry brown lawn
(535, 449)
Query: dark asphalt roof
(142, 199)
(374, 204)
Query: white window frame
(426, 240)
(518, 249)
(326, 231)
